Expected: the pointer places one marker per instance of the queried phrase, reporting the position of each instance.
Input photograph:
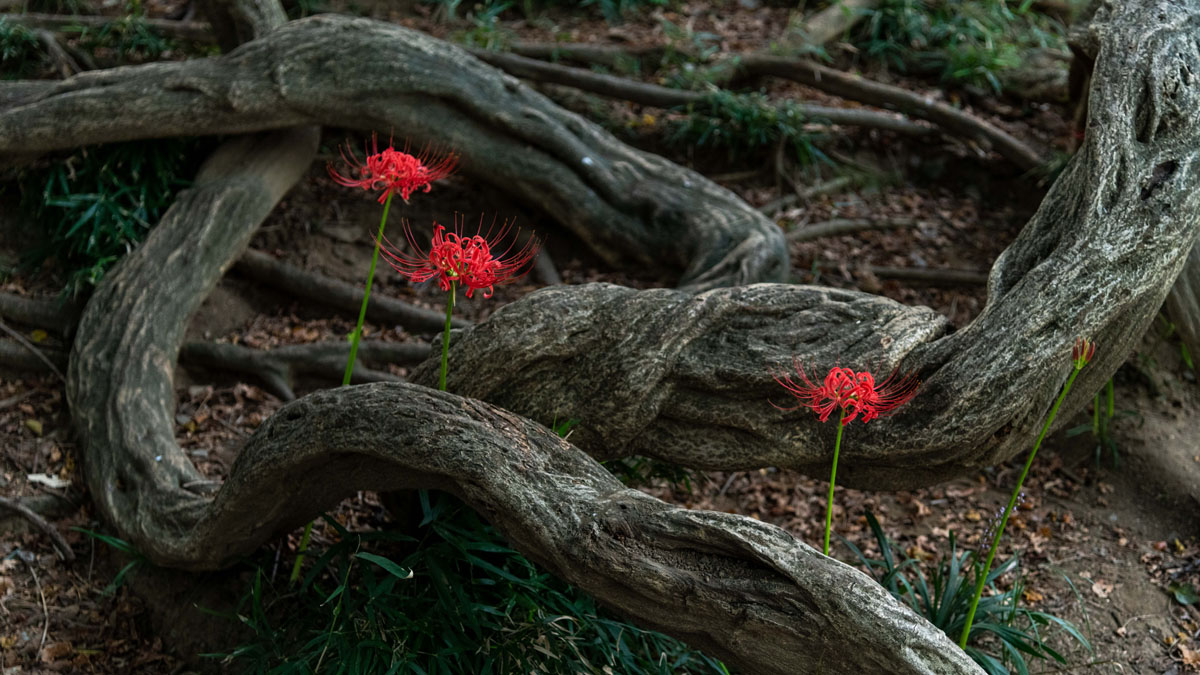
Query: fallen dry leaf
(55, 651)
(1190, 657)
(1102, 588)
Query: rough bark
(630, 207)
(119, 379)
(746, 592)
(688, 377)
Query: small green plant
(458, 600)
(1081, 354)
(21, 54)
(969, 42)
(137, 559)
(1003, 635)
(129, 37)
(97, 204)
(486, 32)
(1103, 413)
(743, 124)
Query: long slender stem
(837, 446)
(354, 340)
(362, 312)
(446, 338)
(1012, 502)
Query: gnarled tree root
(688, 378)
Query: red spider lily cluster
(395, 171)
(464, 260)
(856, 393)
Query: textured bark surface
(630, 207)
(689, 377)
(744, 591)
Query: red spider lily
(465, 260)
(395, 171)
(854, 392)
(1082, 352)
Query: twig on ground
(60, 544)
(339, 294)
(832, 185)
(837, 227)
(921, 275)
(32, 348)
(41, 596)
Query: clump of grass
(97, 204)
(1004, 634)
(964, 42)
(457, 599)
(745, 124)
(21, 54)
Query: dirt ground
(1101, 544)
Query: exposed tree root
(340, 295)
(840, 226)
(857, 88)
(60, 544)
(55, 316)
(695, 372)
(665, 97)
(279, 367)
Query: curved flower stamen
(856, 393)
(394, 171)
(468, 261)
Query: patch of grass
(747, 124)
(457, 599)
(136, 561)
(1003, 635)
(21, 54)
(97, 204)
(965, 42)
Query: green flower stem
(362, 312)
(446, 337)
(837, 446)
(354, 339)
(1012, 502)
(1108, 395)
